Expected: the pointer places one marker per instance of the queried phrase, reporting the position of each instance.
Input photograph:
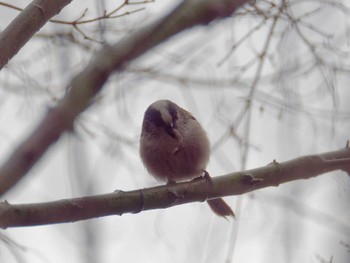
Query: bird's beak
(171, 130)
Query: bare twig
(79, 21)
(11, 6)
(198, 190)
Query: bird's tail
(220, 207)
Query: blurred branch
(254, 86)
(25, 25)
(90, 81)
(198, 190)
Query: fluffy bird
(174, 147)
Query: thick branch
(198, 190)
(90, 81)
(25, 25)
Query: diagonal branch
(25, 25)
(90, 81)
(198, 190)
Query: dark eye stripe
(153, 115)
(172, 110)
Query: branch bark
(198, 190)
(25, 25)
(90, 81)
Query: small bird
(174, 147)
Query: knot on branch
(251, 180)
(175, 194)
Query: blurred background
(270, 82)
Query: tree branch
(25, 25)
(106, 15)
(90, 81)
(198, 190)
